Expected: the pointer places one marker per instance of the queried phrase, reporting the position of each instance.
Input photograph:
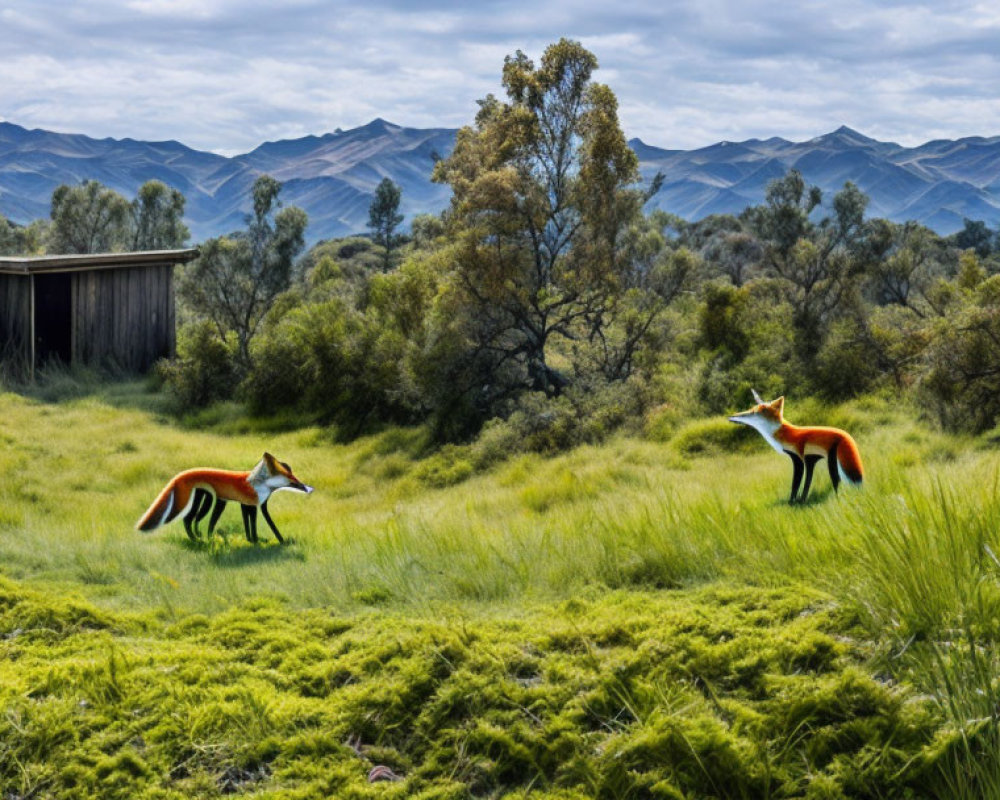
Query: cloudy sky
(225, 75)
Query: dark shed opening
(53, 319)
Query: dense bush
(962, 377)
(204, 370)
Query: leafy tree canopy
(237, 277)
(543, 191)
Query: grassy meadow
(644, 618)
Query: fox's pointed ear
(779, 404)
(756, 397)
(268, 459)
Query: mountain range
(333, 176)
(938, 184)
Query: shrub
(714, 436)
(752, 344)
(204, 370)
(447, 467)
(847, 364)
(961, 383)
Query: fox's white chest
(766, 429)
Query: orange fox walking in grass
(189, 495)
(804, 445)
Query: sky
(226, 75)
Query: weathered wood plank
(15, 321)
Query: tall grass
(912, 558)
(912, 550)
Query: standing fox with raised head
(804, 445)
(189, 495)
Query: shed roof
(78, 263)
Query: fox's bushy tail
(849, 461)
(165, 508)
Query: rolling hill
(333, 176)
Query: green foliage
(22, 240)
(724, 320)
(342, 263)
(311, 360)
(817, 265)
(846, 365)
(543, 192)
(425, 229)
(446, 467)
(750, 337)
(913, 258)
(384, 218)
(237, 278)
(962, 378)
(204, 370)
(975, 236)
(354, 365)
(156, 214)
(89, 218)
(863, 354)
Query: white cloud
(227, 74)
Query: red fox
(805, 446)
(189, 495)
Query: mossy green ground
(712, 692)
(640, 619)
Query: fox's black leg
(250, 523)
(832, 464)
(216, 513)
(201, 511)
(245, 511)
(810, 465)
(796, 474)
(267, 517)
(192, 517)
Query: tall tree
(88, 218)
(237, 277)
(156, 214)
(384, 218)
(976, 236)
(542, 192)
(817, 263)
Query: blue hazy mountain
(937, 184)
(333, 176)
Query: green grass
(712, 692)
(638, 619)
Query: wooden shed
(106, 309)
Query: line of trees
(91, 218)
(545, 307)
